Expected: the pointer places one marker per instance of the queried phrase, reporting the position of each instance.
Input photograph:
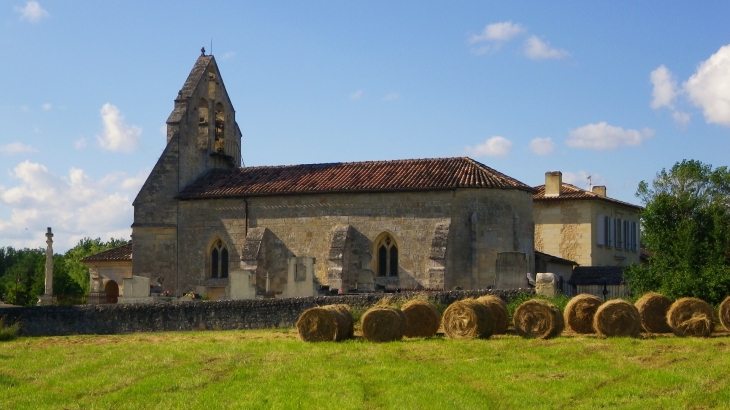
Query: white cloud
(46, 106)
(16, 148)
(117, 135)
(80, 143)
(74, 205)
(709, 87)
(134, 184)
(680, 118)
(665, 88)
(602, 136)
(580, 179)
(537, 49)
(391, 97)
(542, 146)
(503, 31)
(493, 147)
(228, 55)
(356, 95)
(163, 130)
(32, 12)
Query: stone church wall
(208, 315)
(478, 224)
(485, 223)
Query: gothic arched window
(219, 260)
(387, 256)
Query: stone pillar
(47, 297)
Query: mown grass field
(273, 369)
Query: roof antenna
(211, 46)
(590, 183)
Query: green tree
(22, 275)
(686, 224)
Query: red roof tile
(345, 177)
(121, 253)
(571, 192)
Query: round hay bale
(538, 318)
(499, 312)
(653, 308)
(422, 319)
(468, 319)
(617, 318)
(383, 324)
(691, 317)
(725, 313)
(325, 324)
(579, 313)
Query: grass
(272, 369)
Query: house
(204, 224)
(587, 227)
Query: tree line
(23, 271)
(686, 228)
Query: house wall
(605, 255)
(568, 229)
(114, 270)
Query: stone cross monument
(48, 295)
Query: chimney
(553, 182)
(600, 190)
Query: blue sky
(615, 90)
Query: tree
(686, 224)
(22, 275)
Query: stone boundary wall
(202, 315)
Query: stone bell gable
(202, 135)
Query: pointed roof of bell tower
(196, 74)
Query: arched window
(387, 256)
(219, 260)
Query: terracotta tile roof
(121, 253)
(570, 192)
(344, 177)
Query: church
(203, 222)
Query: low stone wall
(212, 315)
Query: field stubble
(273, 369)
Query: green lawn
(272, 369)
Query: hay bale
(691, 317)
(499, 312)
(383, 324)
(537, 318)
(422, 319)
(468, 319)
(617, 318)
(579, 313)
(653, 308)
(725, 313)
(325, 324)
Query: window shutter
(601, 230)
(627, 235)
(611, 232)
(635, 236)
(619, 236)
